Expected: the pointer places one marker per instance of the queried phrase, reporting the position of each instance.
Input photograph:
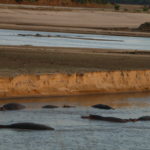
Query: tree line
(142, 2)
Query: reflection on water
(114, 100)
(74, 133)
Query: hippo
(144, 118)
(102, 106)
(12, 106)
(50, 106)
(27, 126)
(110, 119)
(67, 106)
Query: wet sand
(17, 60)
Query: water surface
(72, 132)
(56, 39)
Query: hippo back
(144, 118)
(13, 106)
(29, 126)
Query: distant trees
(92, 1)
(18, 1)
(143, 2)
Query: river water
(12, 37)
(73, 133)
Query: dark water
(11, 37)
(72, 132)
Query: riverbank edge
(78, 30)
(58, 84)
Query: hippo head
(2, 109)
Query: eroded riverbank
(40, 71)
(75, 84)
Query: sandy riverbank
(17, 60)
(39, 71)
(47, 71)
(58, 84)
(30, 71)
(76, 21)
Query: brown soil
(33, 60)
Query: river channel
(56, 39)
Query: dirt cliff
(72, 84)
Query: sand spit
(75, 84)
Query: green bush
(26, 0)
(145, 8)
(19, 1)
(117, 7)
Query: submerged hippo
(67, 106)
(102, 106)
(27, 126)
(50, 106)
(12, 106)
(144, 118)
(110, 119)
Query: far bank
(74, 21)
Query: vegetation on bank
(144, 27)
(141, 2)
(115, 4)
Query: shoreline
(16, 60)
(78, 30)
(50, 71)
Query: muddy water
(54, 39)
(74, 133)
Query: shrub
(145, 26)
(116, 7)
(145, 8)
(18, 1)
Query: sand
(16, 60)
(26, 70)
(73, 20)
